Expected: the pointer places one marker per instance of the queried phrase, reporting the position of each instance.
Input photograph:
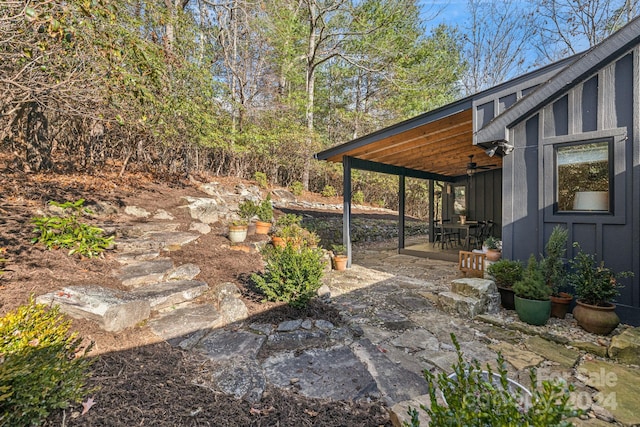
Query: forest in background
(235, 87)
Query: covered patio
(439, 146)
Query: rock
(483, 290)
(602, 414)
(233, 309)
(102, 208)
(167, 294)
(136, 211)
(289, 325)
(283, 196)
(174, 240)
(240, 377)
(333, 373)
(181, 323)
(552, 351)
(399, 413)
(205, 210)
(200, 227)
(306, 324)
(324, 291)
(183, 272)
(395, 383)
(144, 273)
(520, 359)
(590, 347)
(263, 328)
(113, 310)
(619, 388)
(222, 345)
(625, 348)
(324, 325)
(138, 245)
(222, 290)
(464, 306)
(393, 319)
(161, 214)
(298, 339)
(416, 339)
(135, 257)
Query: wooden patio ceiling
(440, 146)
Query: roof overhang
(434, 145)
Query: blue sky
(452, 12)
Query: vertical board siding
(484, 113)
(605, 102)
(589, 105)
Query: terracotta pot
(506, 298)
(263, 227)
(238, 233)
(596, 319)
(278, 242)
(493, 254)
(340, 262)
(560, 305)
(532, 311)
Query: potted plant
(506, 273)
(264, 211)
(473, 396)
(595, 286)
(238, 231)
(532, 295)
(554, 271)
(286, 229)
(462, 214)
(339, 257)
(494, 251)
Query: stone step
(113, 310)
(625, 347)
(144, 273)
(179, 325)
(172, 293)
(173, 240)
(483, 290)
(139, 230)
(138, 245)
(135, 257)
(453, 303)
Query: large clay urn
(596, 319)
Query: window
(583, 177)
(460, 200)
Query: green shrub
(261, 179)
(68, 232)
(265, 210)
(247, 210)
(358, 197)
(473, 399)
(506, 272)
(40, 370)
(329, 191)
(291, 274)
(532, 285)
(296, 188)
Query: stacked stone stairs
(470, 297)
(155, 290)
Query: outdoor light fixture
(491, 151)
(507, 148)
(471, 171)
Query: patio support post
(432, 211)
(346, 206)
(401, 206)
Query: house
(559, 145)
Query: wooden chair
(471, 264)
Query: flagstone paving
(394, 328)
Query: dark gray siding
(603, 106)
(485, 198)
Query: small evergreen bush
(296, 188)
(532, 285)
(477, 399)
(40, 370)
(291, 274)
(261, 179)
(358, 197)
(68, 232)
(506, 272)
(264, 210)
(329, 191)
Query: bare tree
(566, 27)
(497, 38)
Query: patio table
(468, 225)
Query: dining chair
(476, 235)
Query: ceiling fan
(472, 166)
